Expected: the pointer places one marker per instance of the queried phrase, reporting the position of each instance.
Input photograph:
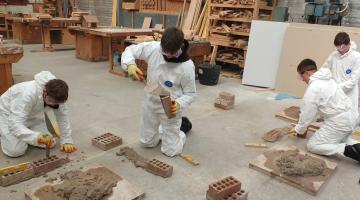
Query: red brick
(159, 168)
(223, 188)
(107, 141)
(240, 195)
(17, 177)
(227, 96)
(225, 101)
(45, 165)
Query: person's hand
(293, 132)
(68, 148)
(45, 139)
(175, 107)
(134, 72)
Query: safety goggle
(341, 47)
(174, 55)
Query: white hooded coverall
(345, 70)
(182, 89)
(325, 96)
(22, 116)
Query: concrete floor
(100, 102)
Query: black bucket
(209, 74)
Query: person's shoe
(353, 151)
(185, 125)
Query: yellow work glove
(175, 107)
(293, 132)
(45, 139)
(134, 72)
(68, 148)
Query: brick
(223, 104)
(159, 168)
(225, 101)
(239, 195)
(223, 188)
(17, 177)
(45, 165)
(227, 96)
(107, 141)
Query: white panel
(263, 54)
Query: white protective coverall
(345, 70)
(182, 89)
(22, 116)
(325, 96)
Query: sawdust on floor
(134, 157)
(293, 112)
(276, 134)
(93, 184)
(292, 163)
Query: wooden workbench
(26, 31)
(91, 44)
(9, 53)
(31, 30)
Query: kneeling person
(324, 96)
(22, 110)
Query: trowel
(52, 127)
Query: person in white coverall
(22, 120)
(344, 64)
(326, 97)
(170, 66)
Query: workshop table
(113, 37)
(9, 53)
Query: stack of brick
(226, 189)
(225, 101)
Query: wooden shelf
(224, 44)
(266, 7)
(231, 32)
(241, 63)
(231, 19)
(231, 6)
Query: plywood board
(264, 52)
(123, 190)
(306, 41)
(311, 184)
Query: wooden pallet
(123, 190)
(310, 185)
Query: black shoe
(185, 125)
(353, 151)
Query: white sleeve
(62, 119)
(140, 51)
(308, 110)
(354, 78)
(20, 109)
(188, 87)
(328, 62)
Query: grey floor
(100, 102)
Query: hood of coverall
(321, 74)
(183, 56)
(353, 47)
(43, 77)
